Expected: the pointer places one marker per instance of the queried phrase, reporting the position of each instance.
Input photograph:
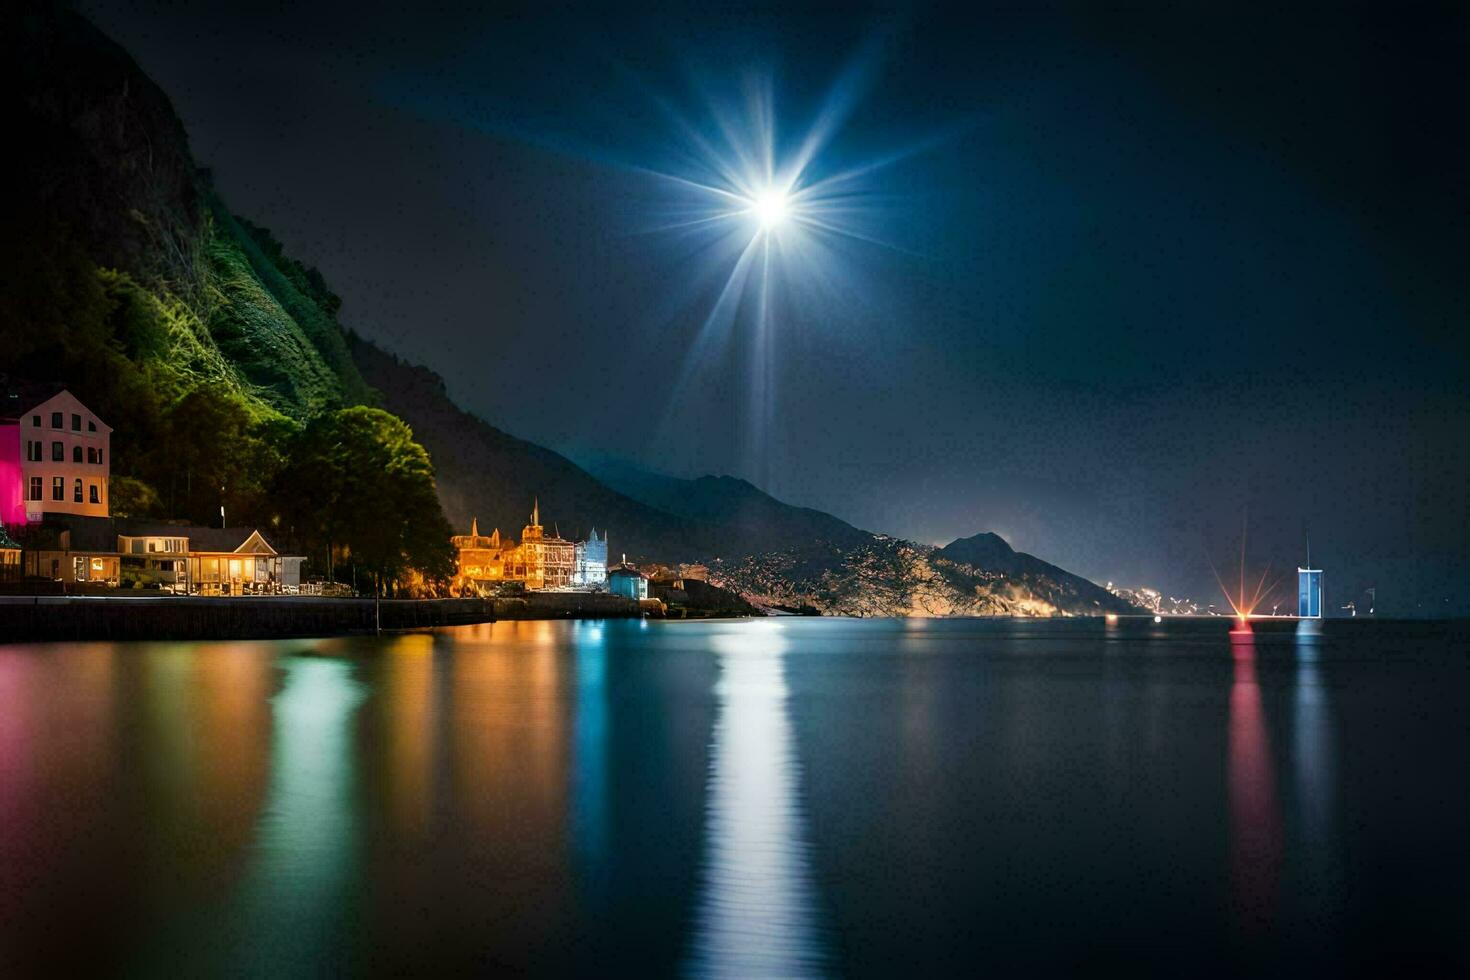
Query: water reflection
(407, 710)
(1315, 779)
(299, 889)
(1255, 816)
(1313, 748)
(756, 911)
(590, 751)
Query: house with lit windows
(186, 559)
(55, 454)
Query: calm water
(785, 798)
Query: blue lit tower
(1309, 589)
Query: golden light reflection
(407, 706)
(510, 723)
(226, 690)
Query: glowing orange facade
(540, 561)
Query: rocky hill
(891, 577)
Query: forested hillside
(211, 353)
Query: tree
(215, 453)
(130, 497)
(357, 480)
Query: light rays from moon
(765, 222)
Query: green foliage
(191, 333)
(164, 336)
(300, 306)
(357, 480)
(131, 497)
(213, 451)
(264, 342)
(307, 281)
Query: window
(93, 494)
(99, 457)
(76, 422)
(35, 488)
(58, 488)
(33, 450)
(76, 492)
(76, 454)
(58, 453)
(91, 425)
(36, 421)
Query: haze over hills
(748, 519)
(125, 266)
(490, 476)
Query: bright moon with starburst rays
(773, 225)
(771, 208)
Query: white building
(589, 566)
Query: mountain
(120, 245)
(988, 554)
(491, 476)
(741, 518)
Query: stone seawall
(62, 618)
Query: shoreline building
(627, 581)
(55, 454)
(486, 562)
(589, 566)
(187, 559)
(480, 559)
(1309, 593)
(542, 561)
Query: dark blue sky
(1151, 270)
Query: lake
(779, 797)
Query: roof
(101, 533)
(215, 539)
(18, 396)
(625, 570)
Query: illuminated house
(481, 560)
(174, 557)
(589, 568)
(627, 581)
(543, 562)
(229, 561)
(54, 454)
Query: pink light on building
(55, 453)
(12, 476)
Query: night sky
(1124, 281)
